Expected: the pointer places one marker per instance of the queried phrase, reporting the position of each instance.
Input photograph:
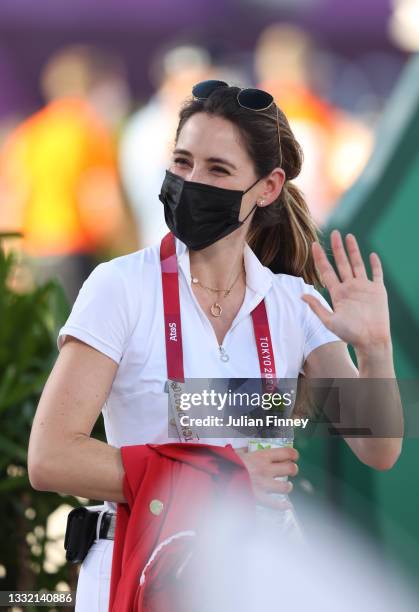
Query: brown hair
(280, 234)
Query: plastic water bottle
(283, 521)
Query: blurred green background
(382, 210)
(31, 550)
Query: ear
(273, 185)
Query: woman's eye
(180, 160)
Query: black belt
(83, 529)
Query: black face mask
(200, 214)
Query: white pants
(93, 584)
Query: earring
(262, 202)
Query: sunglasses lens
(204, 89)
(254, 99)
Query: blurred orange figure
(60, 181)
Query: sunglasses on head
(252, 99)
(249, 98)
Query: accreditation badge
(184, 432)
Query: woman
(244, 236)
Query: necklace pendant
(216, 310)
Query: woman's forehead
(208, 135)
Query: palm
(360, 310)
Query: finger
(324, 267)
(342, 262)
(286, 453)
(324, 315)
(285, 468)
(355, 257)
(376, 268)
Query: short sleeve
(100, 315)
(315, 331)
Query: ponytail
(281, 235)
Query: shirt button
(156, 507)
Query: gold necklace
(216, 309)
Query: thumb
(324, 315)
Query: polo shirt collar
(258, 276)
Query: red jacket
(169, 488)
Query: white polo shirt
(119, 311)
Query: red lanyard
(172, 322)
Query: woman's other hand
(264, 466)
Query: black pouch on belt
(80, 533)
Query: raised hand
(360, 314)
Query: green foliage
(29, 324)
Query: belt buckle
(111, 527)
(105, 528)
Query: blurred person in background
(336, 145)
(59, 182)
(145, 147)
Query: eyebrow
(217, 160)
